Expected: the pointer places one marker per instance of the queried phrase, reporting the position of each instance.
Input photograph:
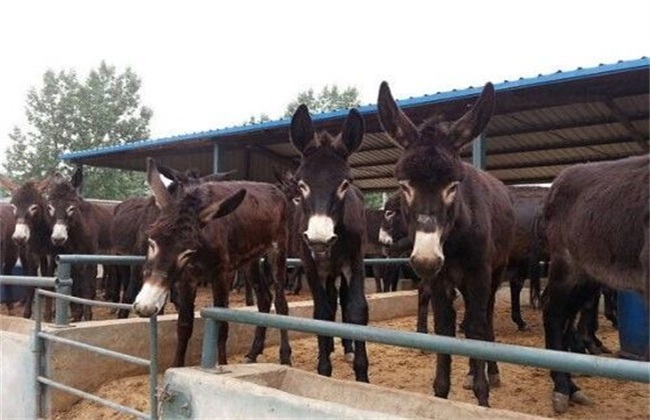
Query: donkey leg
(559, 310)
(424, 297)
(516, 280)
(185, 321)
(344, 296)
(357, 313)
(477, 302)
(444, 323)
(322, 311)
(263, 297)
(279, 270)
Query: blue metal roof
(455, 94)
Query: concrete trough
(87, 371)
(274, 391)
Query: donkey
(8, 248)
(208, 231)
(460, 220)
(332, 219)
(525, 253)
(79, 227)
(32, 233)
(129, 230)
(596, 223)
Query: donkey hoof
(523, 327)
(469, 382)
(349, 357)
(579, 397)
(494, 379)
(560, 402)
(248, 359)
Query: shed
(541, 125)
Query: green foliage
(328, 99)
(66, 115)
(374, 200)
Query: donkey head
(28, 206)
(63, 202)
(175, 236)
(430, 172)
(323, 176)
(392, 228)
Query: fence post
(37, 349)
(153, 367)
(210, 352)
(62, 307)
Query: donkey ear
(171, 174)
(474, 122)
(8, 184)
(162, 196)
(77, 177)
(302, 129)
(222, 207)
(352, 131)
(393, 120)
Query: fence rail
(509, 353)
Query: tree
(329, 99)
(66, 115)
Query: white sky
(207, 65)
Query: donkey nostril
(331, 240)
(305, 237)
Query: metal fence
(509, 353)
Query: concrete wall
(131, 336)
(274, 391)
(16, 369)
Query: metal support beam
(478, 152)
(215, 158)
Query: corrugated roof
(541, 125)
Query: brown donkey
(208, 231)
(332, 219)
(78, 227)
(460, 220)
(31, 233)
(596, 223)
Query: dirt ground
(524, 389)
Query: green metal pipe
(29, 281)
(100, 259)
(62, 307)
(99, 350)
(209, 353)
(153, 366)
(509, 353)
(87, 301)
(91, 397)
(37, 349)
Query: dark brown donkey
(199, 235)
(79, 227)
(130, 228)
(32, 233)
(460, 220)
(332, 219)
(8, 248)
(596, 218)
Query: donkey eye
(14, 209)
(388, 214)
(304, 188)
(70, 210)
(33, 209)
(343, 188)
(50, 209)
(296, 200)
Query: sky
(212, 64)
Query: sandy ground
(524, 389)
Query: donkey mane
(178, 222)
